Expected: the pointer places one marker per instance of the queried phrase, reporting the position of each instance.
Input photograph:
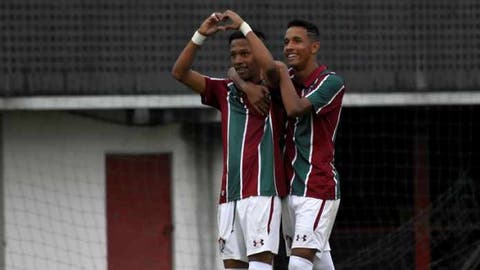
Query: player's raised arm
(260, 52)
(182, 70)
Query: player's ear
(315, 47)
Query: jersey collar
(314, 75)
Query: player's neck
(303, 74)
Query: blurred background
(108, 163)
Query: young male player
(314, 111)
(253, 177)
(313, 101)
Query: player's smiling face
(242, 59)
(299, 49)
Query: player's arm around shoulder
(294, 105)
(257, 94)
(260, 52)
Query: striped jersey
(310, 138)
(252, 157)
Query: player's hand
(211, 25)
(234, 20)
(259, 97)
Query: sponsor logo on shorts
(301, 237)
(258, 243)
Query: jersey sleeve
(214, 90)
(325, 93)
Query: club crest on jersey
(221, 245)
(258, 243)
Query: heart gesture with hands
(217, 21)
(211, 25)
(235, 21)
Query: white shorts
(249, 226)
(308, 222)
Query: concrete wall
(54, 182)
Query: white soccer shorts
(249, 226)
(308, 222)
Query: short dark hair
(312, 29)
(239, 35)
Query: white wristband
(245, 28)
(198, 38)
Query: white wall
(54, 181)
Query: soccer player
(253, 177)
(313, 102)
(314, 112)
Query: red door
(139, 220)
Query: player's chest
(305, 90)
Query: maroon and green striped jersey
(252, 157)
(310, 138)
